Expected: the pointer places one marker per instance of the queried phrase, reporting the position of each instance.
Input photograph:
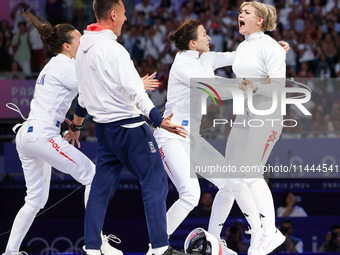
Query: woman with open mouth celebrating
(258, 58)
(194, 60)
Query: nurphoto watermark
(276, 128)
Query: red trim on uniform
(265, 149)
(168, 168)
(95, 27)
(62, 153)
(220, 251)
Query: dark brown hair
(186, 32)
(102, 8)
(53, 37)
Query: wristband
(155, 117)
(74, 127)
(80, 111)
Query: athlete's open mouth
(241, 23)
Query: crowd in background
(311, 27)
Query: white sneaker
(150, 250)
(270, 243)
(225, 249)
(19, 253)
(107, 249)
(255, 239)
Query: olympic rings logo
(52, 248)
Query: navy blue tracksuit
(137, 150)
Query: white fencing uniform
(40, 145)
(259, 56)
(175, 150)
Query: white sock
(93, 252)
(221, 207)
(264, 203)
(21, 225)
(246, 203)
(176, 214)
(159, 250)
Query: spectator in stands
(189, 5)
(147, 8)
(335, 132)
(54, 11)
(334, 119)
(90, 136)
(290, 37)
(320, 115)
(292, 243)
(6, 30)
(38, 58)
(235, 237)
(288, 207)
(138, 18)
(329, 49)
(305, 71)
(216, 36)
(167, 52)
(315, 130)
(183, 16)
(5, 63)
(294, 21)
(332, 242)
(78, 9)
(322, 97)
(307, 50)
(151, 63)
(323, 66)
(211, 132)
(129, 8)
(335, 114)
(144, 69)
(159, 27)
(331, 23)
(317, 10)
(15, 73)
(22, 48)
(68, 11)
(237, 38)
(290, 130)
(151, 43)
(168, 11)
(205, 205)
(158, 96)
(204, 18)
(129, 38)
(290, 71)
(17, 16)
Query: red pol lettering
(54, 145)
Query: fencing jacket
(260, 56)
(55, 88)
(188, 64)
